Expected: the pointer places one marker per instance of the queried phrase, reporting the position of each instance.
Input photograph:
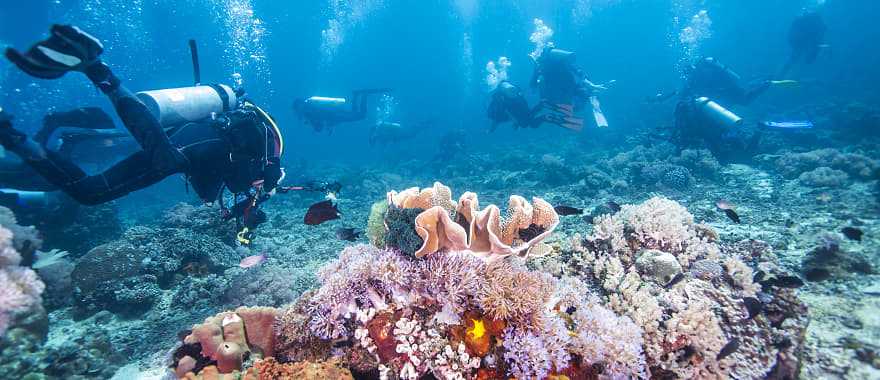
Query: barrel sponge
(259, 322)
(229, 337)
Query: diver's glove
(67, 49)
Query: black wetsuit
(806, 35)
(229, 151)
(508, 103)
(717, 82)
(559, 80)
(709, 78)
(326, 116)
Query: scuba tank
(717, 113)
(186, 104)
(325, 102)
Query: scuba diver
(216, 140)
(700, 117)
(509, 104)
(711, 79)
(806, 37)
(565, 89)
(325, 113)
(388, 133)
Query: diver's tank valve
(717, 113)
(187, 104)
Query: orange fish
(252, 261)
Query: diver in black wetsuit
(239, 150)
(564, 89)
(711, 79)
(806, 38)
(325, 113)
(509, 104)
(701, 118)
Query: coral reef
(226, 341)
(453, 315)
(448, 225)
(695, 323)
(824, 177)
(127, 275)
(792, 165)
(20, 288)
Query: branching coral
(515, 294)
(20, 288)
(451, 315)
(695, 308)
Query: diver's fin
(561, 115)
(601, 121)
(785, 83)
(68, 48)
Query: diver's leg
(142, 125)
(749, 95)
(131, 174)
(84, 118)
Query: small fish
(784, 281)
(252, 261)
(589, 219)
(724, 205)
(728, 349)
(347, 234)
(675, 280)
(753, 305)
(852, 233)
(321, 212)
(613, 206)
(732, 215)
(567, 210)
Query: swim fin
(785, 83)
(67, 49)
(561, 115)
(597, 113)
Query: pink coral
(20, 288)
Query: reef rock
(660, 266)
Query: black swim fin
(68, 48)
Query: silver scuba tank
(321, 101)
(186, 104)
(717, 113)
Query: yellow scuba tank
(186, 104)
